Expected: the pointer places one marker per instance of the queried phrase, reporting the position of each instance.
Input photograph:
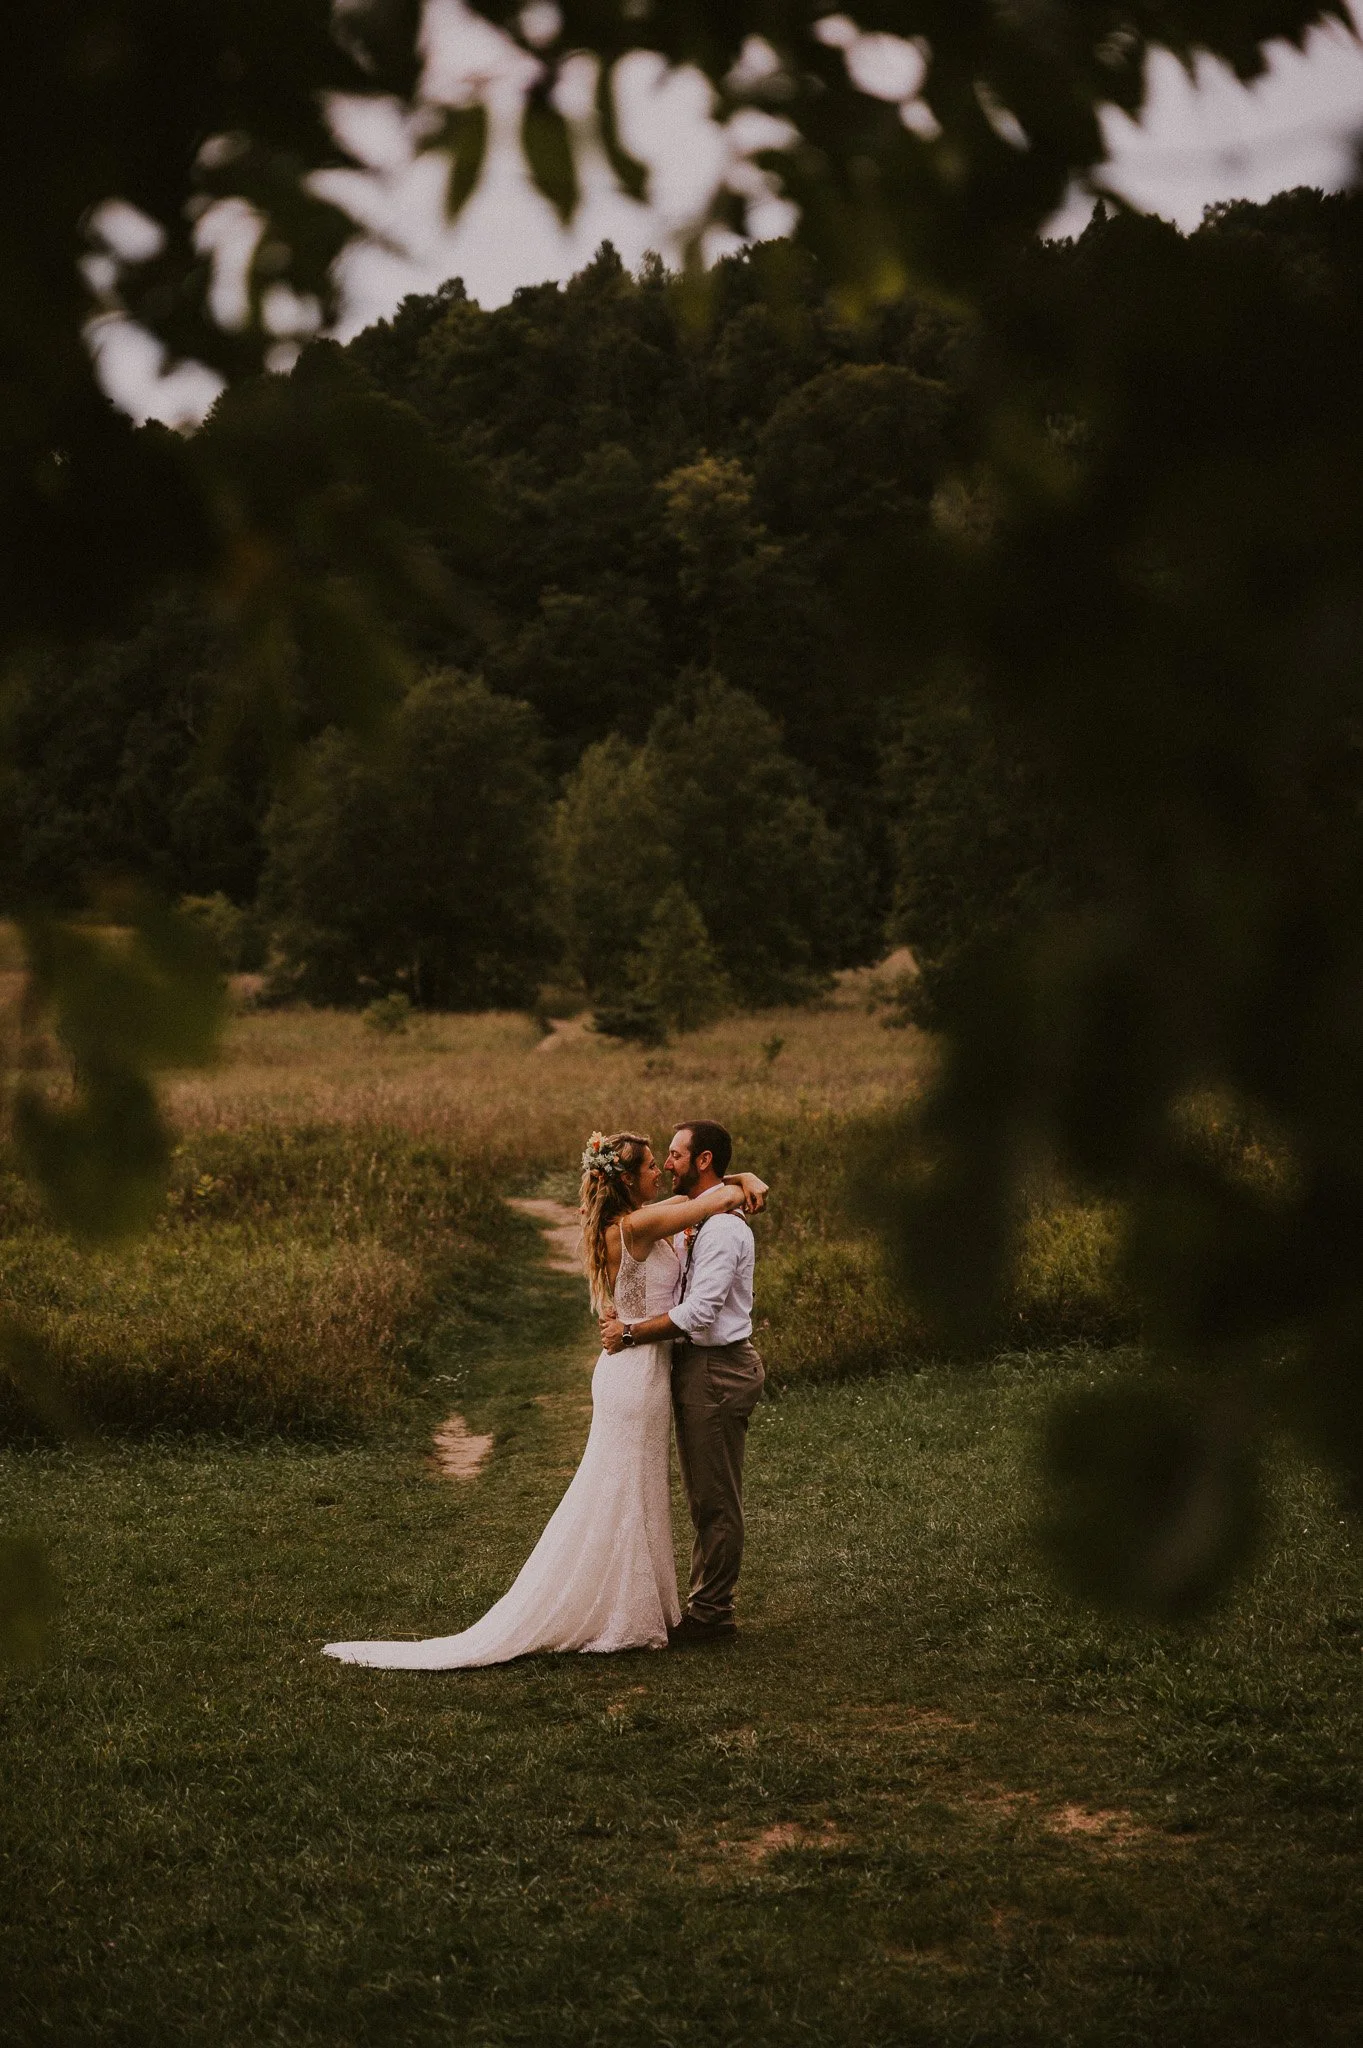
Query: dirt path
(459, 1454)
(563, 1031)
(561, 1230)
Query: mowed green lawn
(920, 1802)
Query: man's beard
(684, 1183)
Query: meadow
(923, 1800)
(336, 1198)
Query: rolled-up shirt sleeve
(712, 1275)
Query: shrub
(829, 1308)
(238, 935)
(630, 1015)
(826, 1310)
(1067, 1282)
(291, 1338)
(389, 1014)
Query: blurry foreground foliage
(1177, 533)
(1172, 608)
(295, 514)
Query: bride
(603, 1575)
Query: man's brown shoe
(692, 1633)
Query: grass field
(918, 1802)
(922, 1801)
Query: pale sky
(1201, 140)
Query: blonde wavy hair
(610, 1165)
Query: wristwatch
(626, 1334)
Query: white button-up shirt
(716, 1293)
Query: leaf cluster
(1171, 606)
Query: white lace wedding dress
(603, 1575)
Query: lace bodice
(646, 1287)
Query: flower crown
(600, 1157)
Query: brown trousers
(714, 1390)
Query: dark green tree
(751, 847)
(852, 458)
(418, 867)
(714, 805)
(611, 860)
(109, 769)
(673, 981)
(589, 661)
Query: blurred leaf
(631, 175)
(149, 994)
(549, 152)
(27, 1600)
(30, 1363)
(327, 489)
(940, 1177)
(463, 136)
(1152, 1499)
(338, 637)
(102, 1161)
(384, 38)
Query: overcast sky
(1201, 140)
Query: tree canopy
(417, 866)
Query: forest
(685, 716)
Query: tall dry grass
(494, 1089)
(515, 1107)
(287, 1287)
(337, 1194)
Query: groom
(716, 1379)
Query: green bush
(389, 1014)
(1067, 1283)
(827, 1311)
(238, 935)
(827, 1307)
